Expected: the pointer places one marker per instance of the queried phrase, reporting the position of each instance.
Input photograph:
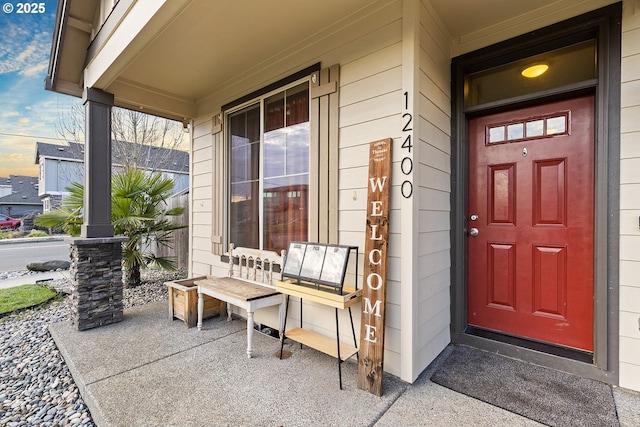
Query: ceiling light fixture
(535, 71)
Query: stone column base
(96, 269)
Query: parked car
(8, 222)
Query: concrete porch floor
(150, 371)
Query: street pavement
(33, 278)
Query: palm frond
(138, 211)
(179, 210)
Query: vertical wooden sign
(374, 292)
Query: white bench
(249, 285)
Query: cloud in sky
(35, 70)
(11, 157)
(22, 48)
(28, 113)
(17, 157)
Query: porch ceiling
(189, 49)
(210, 43)
(464, 17)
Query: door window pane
(535, 128)
(496, 134)
(515, 131)
(556, 125)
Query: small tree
(137, 211)
(136, 138)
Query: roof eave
(59, 31)
(64, 75)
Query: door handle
(474, 232)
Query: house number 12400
(406, 165)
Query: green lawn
(24, 296)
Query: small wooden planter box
(183, 301)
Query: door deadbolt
(473, 217)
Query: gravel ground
(36, 388)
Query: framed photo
(295, 255)
(318, 264)
(335, 265)
(313, 262)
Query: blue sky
(28, 113)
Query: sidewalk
(33, 239)
(34, 279)
(149, 370)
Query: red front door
(530, 223)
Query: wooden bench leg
(249, 333)
(200, 310)
(228, 312)
(171, 302)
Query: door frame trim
(605, 25)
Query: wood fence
(180, 240)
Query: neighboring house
(60, 165)
(19, 196)
(514, 200)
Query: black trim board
(274, 86)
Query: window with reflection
(529, 129)
(269, 170)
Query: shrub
(10, 234)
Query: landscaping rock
(36, 387)
(49, 265)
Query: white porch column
(97, 163)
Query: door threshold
(564, 352)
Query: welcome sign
(371, 351)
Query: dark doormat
(541, 394)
